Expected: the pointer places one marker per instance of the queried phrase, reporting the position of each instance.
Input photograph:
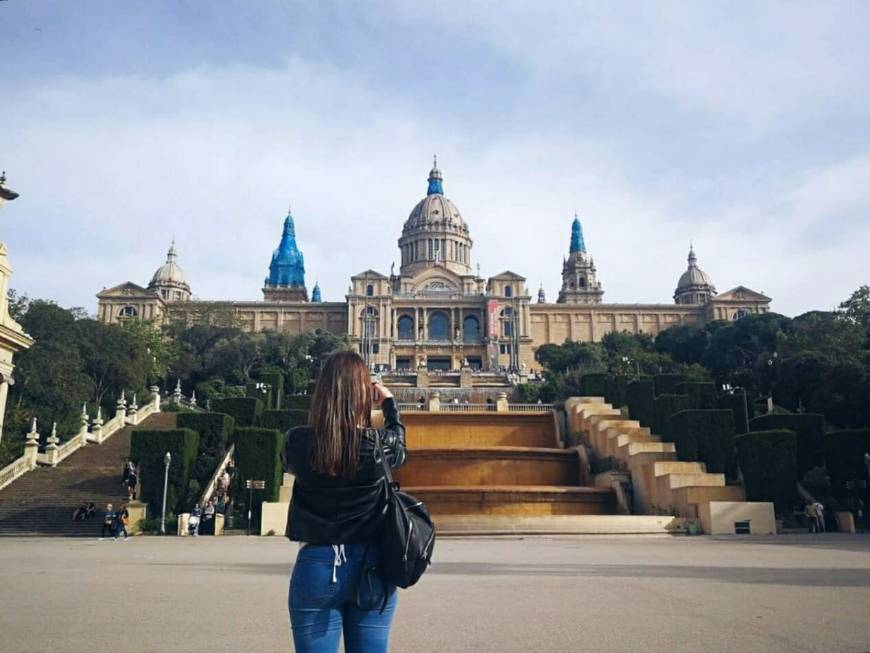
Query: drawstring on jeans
(340, 557)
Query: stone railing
(466, 408)
(530, 408)
(55, 452)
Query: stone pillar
(51, 446)
(501, 402)
(176, 394)
(121, 407)
(134, 410)
(155, 397)
(31, 445)
(97, 426)
(434, 401)
(193, 398)
(83, 429)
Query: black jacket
(335, 510)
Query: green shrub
(274, 378)
(298, 402)
(594, 384)
(147, 448)
(734, 403)
(152, 524)
(706, 436)
(245, 411)
(641, 399)
(844, 456)
(212, 389)
(666, 384)
(768, 460)
(667, 405)
(214, 430)
(702, 395)
(258, 457)
(809, 431)
(283, 420)
(617, 391)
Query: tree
(857, 308)
(682, 342)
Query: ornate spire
(542, 298)
(577, 244)
(315, 293)
(287, 267)
(436, 186)
(693, 260)
(172, 254)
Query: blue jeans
(329, 595)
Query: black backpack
(406, 537)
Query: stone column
(434, 402)
(155, 397)
(83, 429)
(4, 392)
(134, 411)
(501, 402)
(51, 446)
(31, 445)
(121, 407)
(97, 426)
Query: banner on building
(492, 318)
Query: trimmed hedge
(265, 396)
(276, 379)
(594, 384)
(617, 391)
(809, 430)
(702, 395)
(706, 436)
(214, 430)
(283, 420)
(734, 403)
(298, 402)
(666, 384)
(667, 405)
(246, 411)
(641, 399)
(147, 449)
(768, 460)
(258, 457)
(844, 455)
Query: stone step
(639, 448)
(678, 467)
(515, 500)
(485, 466)
(448, 430)
(472, 525)
(685, 501)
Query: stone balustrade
(95, 432)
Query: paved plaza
(790, 593)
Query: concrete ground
(789, 593)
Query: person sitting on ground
(121, 520)
(91, 511)
(80, 513)
(109, 519)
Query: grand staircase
(42, 501)
(499, 473)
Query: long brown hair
(342, 403)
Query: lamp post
(166, 460)
(731, 390)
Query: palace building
(437, 312)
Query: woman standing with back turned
(337, 496)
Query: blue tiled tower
(286, 280)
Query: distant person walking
(122, 517)
(109, 525)
(334, 512)
(819, 509)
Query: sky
(743, 128)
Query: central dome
(435, 233)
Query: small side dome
(695, 286)
(169, 279)
(315, 294)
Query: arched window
(370, 290)
(507, 324)
(439, 327)
(581, 282)
(508, 291)
(471, 329)
(406, 327)
(129, 311)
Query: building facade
(437, 312)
